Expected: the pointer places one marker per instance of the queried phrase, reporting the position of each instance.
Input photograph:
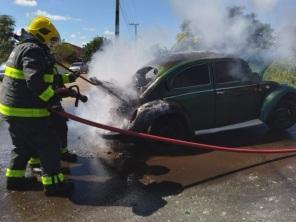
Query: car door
(236, 95)
(192, 89)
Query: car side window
(193, 76)
(231, 71)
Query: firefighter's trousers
(31, 135)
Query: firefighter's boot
(16, 180)
(63, 189)
(56, 186)
(23, 183)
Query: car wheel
(283, 116)
(168, 126)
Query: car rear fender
(272, 99)
(151, 111)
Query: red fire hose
(171, 140)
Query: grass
(282, 72)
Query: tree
(90, 48)
(6, 42)
(67, 53)
(282, 71)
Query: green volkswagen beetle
(187, 94)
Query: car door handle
(220, 92)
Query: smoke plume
(116, 64)
(206, 25)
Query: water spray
(96, 82)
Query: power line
(136, 29)
(132, 10)
(122, 6)
(125, 18)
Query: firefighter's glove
(64, 92)
(73, 76)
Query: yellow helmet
(42, 28)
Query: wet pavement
(211, 186)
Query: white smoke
(212, 27)
(116, 64)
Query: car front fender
(151, 111)
(272, 99)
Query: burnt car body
(186, 94)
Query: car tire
(283, 116)
(168, 126)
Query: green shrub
(283, 71)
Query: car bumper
(119, 142)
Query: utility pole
(136, 30)
(117, 19)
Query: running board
(254, 122)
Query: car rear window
(193, 76)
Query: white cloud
(29, 3)
(108, 33)
(265, 4)
(77, 35)
(89, 29)
(54, 17)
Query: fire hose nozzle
(83, 98)
(75, 93)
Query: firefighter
(59, 123)
(28, 91)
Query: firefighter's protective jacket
(29, 80)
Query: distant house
(68, 53)
(78, 50)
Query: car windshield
(144, 77)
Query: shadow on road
(113, 188)
(239, 170)
(107, 188)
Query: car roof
(172, 59)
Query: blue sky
(80, 20)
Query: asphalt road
(213, 186)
